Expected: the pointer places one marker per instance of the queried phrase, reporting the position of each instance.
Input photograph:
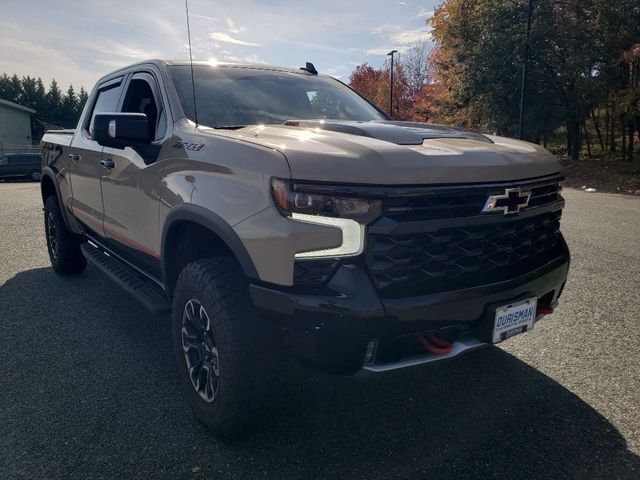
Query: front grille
(471, 250)
(453, 203)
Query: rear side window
(106, 101)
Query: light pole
(391, 53)
(525, 64)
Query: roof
(15, 106)
(160, 62)
(257, 66)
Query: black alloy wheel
(200, 350)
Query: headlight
(348, 214)
(299, 199)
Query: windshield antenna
(193, 82)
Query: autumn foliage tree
(583, 80)
(575, 51)
(410, 75)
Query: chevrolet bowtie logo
(511, 202)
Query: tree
(83, 96)
(53, 102)
(29, 95)
(53, 109)
(69, 107)
(480, 54)
(374, 85)
(415, 66)
(371, 84)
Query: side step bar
(150, 296)
(459, 346)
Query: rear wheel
(228, 357)
(63, 245)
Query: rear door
(85, 155)
(130, 187)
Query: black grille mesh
(463, 256)
(438, 206)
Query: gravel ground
(88, 386)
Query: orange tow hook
(434, 344)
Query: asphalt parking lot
(88, 386)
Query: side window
(140, 98)
(106, 101)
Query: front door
(130, 187)
(84, 159)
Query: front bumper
(332, 331)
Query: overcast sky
(79, 41)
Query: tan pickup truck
(275, 212)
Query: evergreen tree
(5, 87)
(68, 108)
(53, 102)
(83, 96)
(29, 92)
(40, 97)
(14, 90)
(53, 109)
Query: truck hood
(397, 153)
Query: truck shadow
(90, 389)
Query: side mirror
(120, 130)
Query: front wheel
(227, 355)
(63, 245)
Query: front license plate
(514, 319)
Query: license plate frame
(513, 319)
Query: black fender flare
(47, 172)
(213, 222)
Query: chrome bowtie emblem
(512, 201)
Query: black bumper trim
(332, 331)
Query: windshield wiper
(230, 127)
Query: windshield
(236, 96)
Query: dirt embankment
(603, 175)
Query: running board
(150, 296)
(459, 346)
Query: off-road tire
(250, 381)
(62, 244)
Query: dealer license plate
(514, 319)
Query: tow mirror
(120, 130)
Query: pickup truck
(276, 213)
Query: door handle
(74, 157)
(108, 163)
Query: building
(15, 127)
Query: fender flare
(209, 220)
(47, 172)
